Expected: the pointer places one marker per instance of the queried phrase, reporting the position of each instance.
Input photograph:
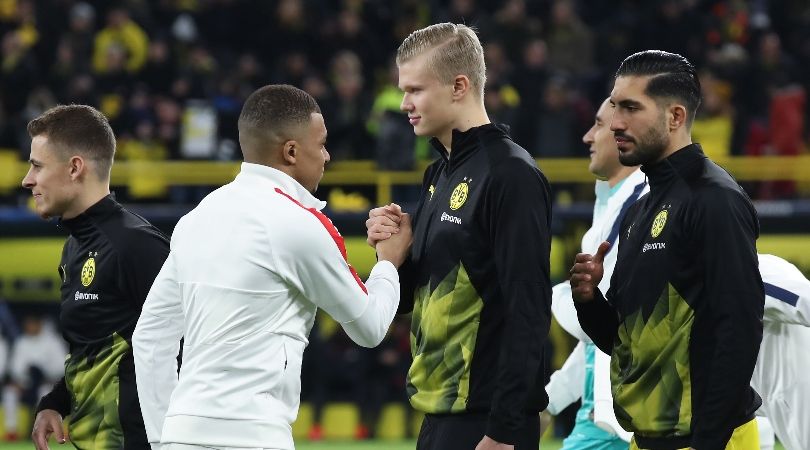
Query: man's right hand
(382, 223)
(47, 422)
(587, 272)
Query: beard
(648, 149)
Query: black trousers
(464, 431)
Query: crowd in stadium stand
(172, 75)
(165, 71)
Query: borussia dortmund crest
(659, 223)
(459, 195)
(88, 271)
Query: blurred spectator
(37, 362)
(714, 121)
(395, 147)
(348, 138)
(557, 123)
(120, 31)
(569, 41)
(530, 81)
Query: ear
(289, 152)
(77, 167)
(677, 117)
(461, 86)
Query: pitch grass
(351, 445)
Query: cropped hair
(78, 129)
(274, 111)
(454, 49)
(672, 77)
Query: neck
(89, 196)
(470, 115)
(678, 141)
(621, 174)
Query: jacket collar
(463, 143)
(85, 221)
(677, 165)
(261, 174)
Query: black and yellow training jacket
(683, 316)
(478, 283)
(108, 265)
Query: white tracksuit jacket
(247, 271)
(782, 374)
(565, 386)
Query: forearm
(58, 399)
(599, 321)
(369, 329)
(520, 362)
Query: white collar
(260, 172)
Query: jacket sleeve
(58, 399)
(155, 346)
(566, 385)
(517, 212)
(787, 291)
(407, 282)
(313, 260)
(599, 321)
(726, 228)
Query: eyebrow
(628, 102)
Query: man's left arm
(517, 218)
(727, 226)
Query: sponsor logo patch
(452, 219)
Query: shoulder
(133, 236)
(300, 228)
(511, 165)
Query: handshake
(389, 232)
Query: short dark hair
(672, 77)
(78, 129)
(271, 112)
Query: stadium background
(172, 74)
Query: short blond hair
(457, 52)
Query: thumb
(406, 220)
(601, 252)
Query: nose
(588, 137)
(326, 157)
(28, 180)
(406, 104)
(617, 123)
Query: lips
(622, 141)
(414, 120)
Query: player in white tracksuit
(781, 374)
(586, 372)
